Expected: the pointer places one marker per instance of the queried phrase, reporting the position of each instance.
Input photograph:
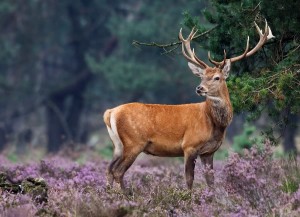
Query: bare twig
(164, 46)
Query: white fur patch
(214, 98)
(113, 133)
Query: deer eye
(217, 78)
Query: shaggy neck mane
(220, 109)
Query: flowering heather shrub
(252, 177)
(248, 185)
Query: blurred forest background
(64, 62)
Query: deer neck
(219, 108)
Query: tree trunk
(56, 131)
(63, 121)
(24, 141)
(3, 139)
(74, 114)
(289, 142)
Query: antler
(219, 64)
(191, 53)
(263, 38)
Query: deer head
(213, 79)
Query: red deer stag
(185, 130)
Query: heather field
(252, 184)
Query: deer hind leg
(207, 160)
(123, 164)
(118, 150)
(190, 160)
(109, 174)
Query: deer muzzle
(201, 90)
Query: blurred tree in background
(63, 62)
(268, 82)
(44, 47)
(140, 73)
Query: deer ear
(226, 69)
(196, 70)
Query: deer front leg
(207, 160)
(190, 160)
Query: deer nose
(199, 89)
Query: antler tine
(217, 64)
(192, 34)
(191, 57)
(263, 38)
(222, 64)
(190, 37)
(186, 44)
(212, 61)
(266, 28)
(224, 60)
(234, 59)
(259, 31)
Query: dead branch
(172, 44)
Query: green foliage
(107, 151)
(289, 185)
(221, 154)
(291, 178)
(246, 139)
(122, 77)
(12, 157)
(269, 81)
(140, 73)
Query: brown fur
(188, 130)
